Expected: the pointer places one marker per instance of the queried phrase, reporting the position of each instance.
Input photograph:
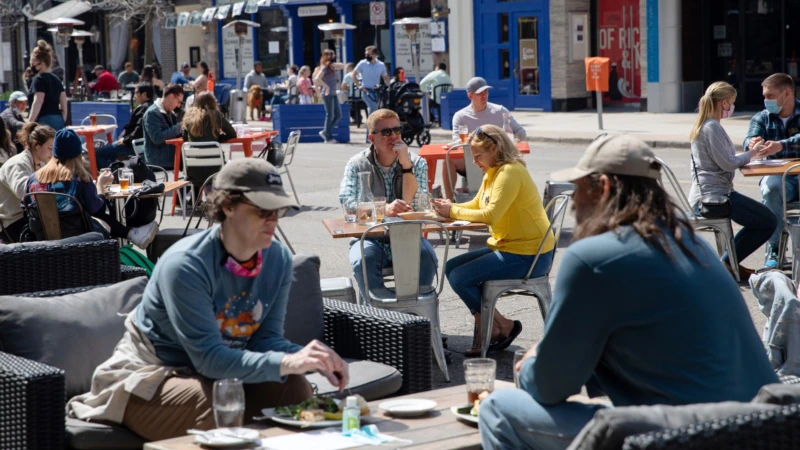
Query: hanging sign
(208, 14)
(377, 13)
(251, 7)
(311, 11)
(183, 19)
(172, 22)
(222, 12)
(402, 50)
(197, 19)
(237, 9)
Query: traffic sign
(377, 13)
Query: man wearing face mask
(777, 128)
(371, 72)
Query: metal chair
(102, 119)
(538, 287)
(440, 89)
(293, 98)
(791, 227)
(722, 228)
(473, 177)
(138, 146)
(552, 189)
(46, 207)
(356, 103)
(407, 295)
(201, 155)
(285, 157)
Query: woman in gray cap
(213, 309)
(65, 174)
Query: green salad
(327, 405)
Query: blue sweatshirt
(198, 314)
(646, 328)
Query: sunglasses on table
(386, 132)
(266, 214)
(484, 135)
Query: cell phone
(387, 219)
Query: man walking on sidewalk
(372, 71)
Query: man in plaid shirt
(397, 175)
(777, 128)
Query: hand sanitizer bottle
(351, 416)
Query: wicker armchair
(32, 395)
(34, 269)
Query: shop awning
(66, 10)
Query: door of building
(529, 56)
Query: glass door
(531, 67)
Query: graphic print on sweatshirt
(239, 319)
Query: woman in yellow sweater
(509, 203)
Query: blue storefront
(512, 51)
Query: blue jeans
(333, 112)
(371, 99)
(772, 198)
(757, 223)
(467, 272)
(375, 260)
(511, 419)
(108, 154)
(56, 121)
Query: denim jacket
(776, 294)
(159, 126)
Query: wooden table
(120, 197)
(758, 170)
(438, 430)
(247, 145)
(432, 153)
(340, 229)
(88, 133)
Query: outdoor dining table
(88, 132)
(340, 229)
(440, 429)
(114, 193)
(432, 153)
(247, 145)
(767, 167)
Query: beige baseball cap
(620, 155)
(257, 180)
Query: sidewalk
(580, 127)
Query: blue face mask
(772, 106)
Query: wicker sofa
(33, 395)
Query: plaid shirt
(770, 128)
(348, 189)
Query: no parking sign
(377, 13)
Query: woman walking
(328, 80)
(714, 164)
(49, 99)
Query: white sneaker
(322, 135)
(142, 236)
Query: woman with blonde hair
(49, 99)
(509, 203)
(304, 89)
(714, 164)
(66, 174)
(327, 79)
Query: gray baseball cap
(620, 155)
(477, 85)
(18, 96)
(258, 180)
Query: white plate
(409, 407)
(459, 412)
(242, 436)
(292, 422)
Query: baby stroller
(406, 100)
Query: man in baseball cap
(636, 292)
(478, 112)
(106, 81)
(12, 116)
(182, 77)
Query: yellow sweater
(509, 203)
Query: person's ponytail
(715, 93)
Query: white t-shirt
(492, 115)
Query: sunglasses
(266, 214)
(386, 132)
(484, 135)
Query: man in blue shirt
(777, 127)
(643, 312)
(182, 77)
(367, 76)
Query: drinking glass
(423, 201)
(380, 208)
(93, 119)
(350, 208)
(463, 133)
(228, 403)
(125, 179)
(479, 374)
(518, 355)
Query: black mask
(35, 69)
(368, 58)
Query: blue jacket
(159, 125)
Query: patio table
(440, 429)
(758, 169)
(340, 229)
(88, 133)
(432, 153)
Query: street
(317, 170)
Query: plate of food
(316, 412)
(469, 413)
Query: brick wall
(568, 83)
(209, 52)
(168, 53)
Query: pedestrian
(327, 79)
(368, 75)
(49, 99)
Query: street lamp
(336, 29)
(80, 37)
(237, 102)
(63, 29)
(411, 25)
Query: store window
(412, 8)
(273, 46)
(528, 55)
(503, 27)
(505, 64)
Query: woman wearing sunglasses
(509, 203)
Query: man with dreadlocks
(644, 312)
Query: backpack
(138, 211)
(130, 257)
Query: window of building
(273, 63)
(505, 64)
(503, 27)
(412, 8)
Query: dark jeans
(333, 112)
(118, 230)
(757, 222)
(107, 154)
(13, 231)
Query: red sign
(596, 74)
(618, 39)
